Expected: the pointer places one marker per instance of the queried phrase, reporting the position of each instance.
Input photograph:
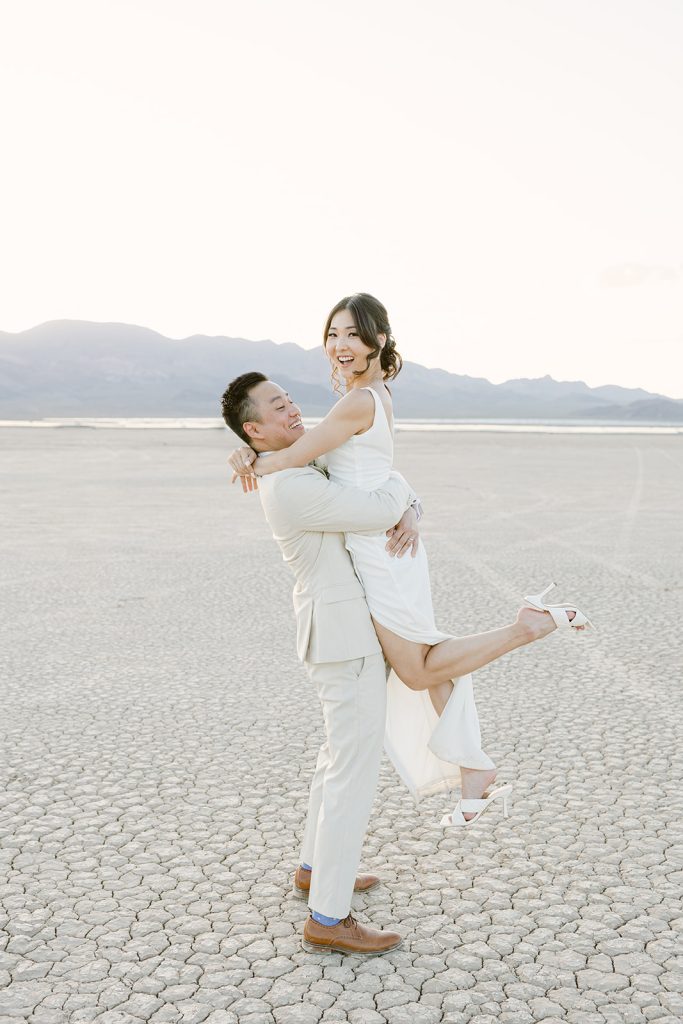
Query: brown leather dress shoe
(302, 883)
(349, 936)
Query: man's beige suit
(308, 515)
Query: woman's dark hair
(371, 319)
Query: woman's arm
(352, 413)
(306, 500)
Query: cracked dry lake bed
(158, 737)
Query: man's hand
(404, 535)
(241, 461)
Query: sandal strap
(471, 805)
(560, 617)
(456, 816)
(468, 806)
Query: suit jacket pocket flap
(347, 592)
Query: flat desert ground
(159, 735)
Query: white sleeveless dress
(425, 749)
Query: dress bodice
(365, 460)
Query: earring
(334, 378)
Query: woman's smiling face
(344, 348)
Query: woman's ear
(382, 339)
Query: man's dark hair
(236, 404)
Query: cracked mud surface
(158, 738)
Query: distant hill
(76, 368)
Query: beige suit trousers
(353, 695)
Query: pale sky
(505, 175)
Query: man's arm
(307, 500)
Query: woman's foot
(538, 624)
(565, 616)
(474, 783)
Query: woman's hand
(242, 463)
(404, 535)
(268, 464)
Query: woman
(432, 721)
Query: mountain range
(67, 368)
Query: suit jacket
(308, 515)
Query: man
(309, 514)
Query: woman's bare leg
(440, 695)
(421, 666)
(427, 667)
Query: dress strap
(378, 400)
(380, 403)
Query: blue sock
(321, 919)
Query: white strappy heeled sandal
(558, 611)
(457, 819)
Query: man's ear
(252, 430)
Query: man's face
(279, 419)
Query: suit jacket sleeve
(304, 499)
